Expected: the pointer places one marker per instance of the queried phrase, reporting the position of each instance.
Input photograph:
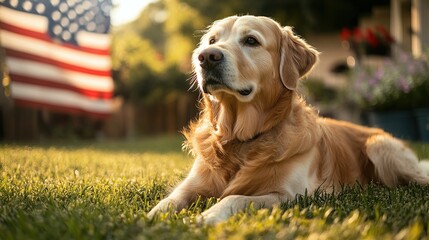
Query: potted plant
(394, 94)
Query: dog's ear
(296, 58)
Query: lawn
(103, 190)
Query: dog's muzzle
(212, 62)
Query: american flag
(57, 54)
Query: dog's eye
(251, 41)
(212, 40)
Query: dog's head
(247, 56)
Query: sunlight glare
(127, 10)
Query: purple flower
(412, 68)
(404, 57)
(404, 85)
(373, 81)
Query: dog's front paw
(212, 217)
(163, 206)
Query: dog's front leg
(183, 194)
(235, 203)
(180, 198)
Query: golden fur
(264, 145)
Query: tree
(153, 54)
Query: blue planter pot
(401, 124)
(422, 118)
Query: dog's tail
(394, 162)
(424, 165)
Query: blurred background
(92, 69)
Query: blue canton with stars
(67, 17)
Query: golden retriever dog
(256, 141)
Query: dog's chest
(259, 171)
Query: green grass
(103, 190)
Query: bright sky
(127, 10)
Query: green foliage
(158, 87)
(103, 190)
(318, 91)
(152, 55)
(400, 83)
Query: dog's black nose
(210, 58)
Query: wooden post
(129, 120)
(419, 21)
(18, 123)
(396, 20)
(6, 103)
